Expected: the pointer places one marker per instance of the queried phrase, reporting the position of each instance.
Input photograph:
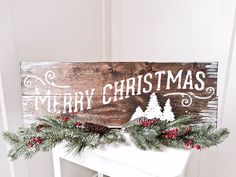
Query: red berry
(145, 123)
(29, 144)
(65, 119)
(77, 124)
(189, 144)
(198, 147)
(34, 139)
(37, 140)
(186, 145)
(166, 136)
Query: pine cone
(188, 130)
(40, 126)
(96, 128)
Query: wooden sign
(111, 93)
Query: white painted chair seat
(126, 161)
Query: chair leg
(56, 165)
(100, 175)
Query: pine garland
(145, 134)
(180, 133)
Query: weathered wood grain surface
(84, 76)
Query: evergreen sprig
(144, 133)
(180, 133)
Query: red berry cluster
(35, 140)
(189, 144)
(77, 124)
(65, 119)
(149, 122)
(171, 134)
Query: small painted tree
(153, 109)
(138, 113)
(168, 113)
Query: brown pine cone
(96, 128)
(40, 126)
(188, 130)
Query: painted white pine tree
(138, 113)
(168, 113)
(153, 109)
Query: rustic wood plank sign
(111, 93)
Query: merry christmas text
(123, 89)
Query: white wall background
(118, 30)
